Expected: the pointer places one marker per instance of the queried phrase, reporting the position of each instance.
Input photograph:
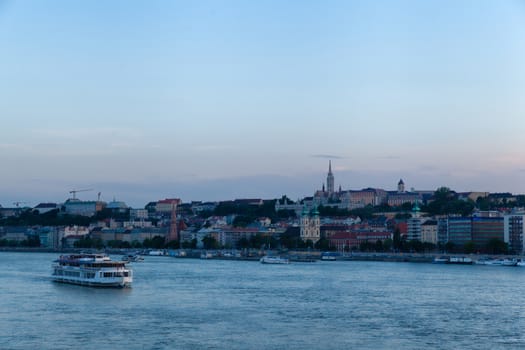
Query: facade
(166, 206)
(140, 214)
(117, 206)
(360, 199)
(442, 227)
(513, 231)
(396, 199)
(49, 237)
(485, 229)
(83, 208)
(459, 230)
(350, 240)
(414, 225)
(15, 233)
(231, 236)
(310, 226)
(429, 232)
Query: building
(330, 181)
(459, 230)
(310, 225)
(429, 232)
(166, 206)
(43, 208)
(117, 207)
(396, 199)
(485, 229)
(400, 186)
(442, 227)
(75, 206)
(138, 214)
(513, 231)
(351, 240)
(414, 225)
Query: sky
(220, 99)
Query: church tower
(330, 180)
(400, 186)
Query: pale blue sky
(201, 100)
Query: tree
(243, 243)
(257, 241)
(446, 202)
(469, 247)
(387, 245)
(210, 242)
(496, 246)
(449, 247)
(323, 244)
(397, 243)
(242, 220)
(416, 246)
(31, 241)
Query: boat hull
(104, 284)
(274, 260)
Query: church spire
(330, 180)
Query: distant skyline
(209, 100)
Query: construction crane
(74, 192)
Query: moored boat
(460, 260)
(274, 260)
(501, 262)
(441, 260)
(329, 256)
(94, 270)
(132, 258)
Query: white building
(310, 226)
(414, 225)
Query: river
(217, 304)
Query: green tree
(496, 246)
(449, 247)
(387, 244)
(243, 220)
(397, 242)
(243, 243)
(210, 242)
(323, 244)
(469, 247)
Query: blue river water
(214, 304)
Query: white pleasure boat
(95, 270)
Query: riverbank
(294, 256)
